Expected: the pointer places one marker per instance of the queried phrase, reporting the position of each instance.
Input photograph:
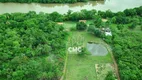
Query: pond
(97, 49)
(113, 5)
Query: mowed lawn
(83, 67)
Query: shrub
(81, 26)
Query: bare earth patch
(103, 69)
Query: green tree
(130, 12)
(108, 14)
(120, 27)
(132, 25)
(91, 28)
(110, 76)
(81, 26)
(98, 22)
(97, 32)
(122, 20)
(55, 16)
(83, 52)
(139, 10)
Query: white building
(107, 31)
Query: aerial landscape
(70, 40)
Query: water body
(97, 49)
(113, 5)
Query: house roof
(82, 21)
(60, 23)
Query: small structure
(60, 23)
(106, 31)
(104, 20)
(7, 22)
(103, 29)
(82, 21)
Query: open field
(83, 67)
(70, 24)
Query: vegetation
(97, 32)
(127, 51)
(82, 66)
(81, 26)
(82, 15)
(32, 47)
(91, 28)
(44, 1)
(83, 52)
(126, 43)
(98, 21)
(110, 76)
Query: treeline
(126, 41)
(91, 14)
(44, 1)
(127, 48)
(31, 47)
(119, 17)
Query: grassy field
(86, 67)
(69, 24)
(83, 67)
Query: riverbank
(47, 1)
(112, 5)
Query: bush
(83, 52)
(108, 39)
(132, 26)
(91, 28)
(110, 76)
(81, 26)
(97, 32)
(120, 27)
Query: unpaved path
(114, 61)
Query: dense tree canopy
(126, 43)
(32, 47)
(127, 51)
